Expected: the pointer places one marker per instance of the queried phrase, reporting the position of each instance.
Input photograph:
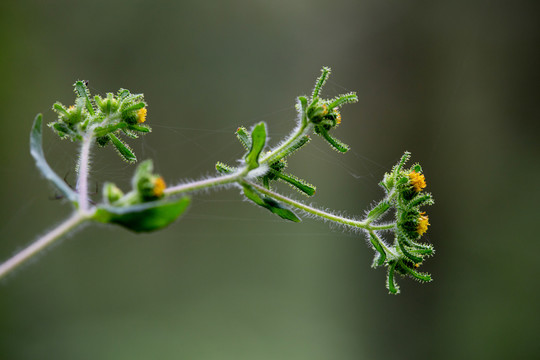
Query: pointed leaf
(36, 149)
(144, 217)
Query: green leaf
(123, 149)
(144, 217)
(36, 149)
(270, 204)
(378, 210)
(258, 141)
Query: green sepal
(390, 282)
(104, 130)
(82, 91)
(123, 149)
(140, 128)
(302, 107)
(130, 134)
(404, 251)
(297, 144)
(144, 217)
(258, 141)
(321, 80)
(406, 270)
(342, 100)
(406, 156)
(62, 130)
(36, 149)
(269, 204)
(61, 110)
(134, 107)
(422, 200)
(244, 137)
(224, 168)
(378, 211)
(335, 143)
(380, 259)
(297, 183)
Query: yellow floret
(159, 187)
(417, 180)
(423, 223)
(141, 115)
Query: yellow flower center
(141, 115)
(159, 187)
(418, 181)
(423, 223)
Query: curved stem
(71, 223)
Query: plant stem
(320, 213)
(84, 170)
(76, 219)
(206, 183)
(281, 151)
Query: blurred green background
(455, 83)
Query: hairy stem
(204, 184)
(84, 170)
(71, 223)
(320, 213)
(281, 151)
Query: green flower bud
(111, 193)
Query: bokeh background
(455, 83)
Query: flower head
(423, 223)
(417, 180)
(159, 186)
(141, 115)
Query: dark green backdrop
(455, 84)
